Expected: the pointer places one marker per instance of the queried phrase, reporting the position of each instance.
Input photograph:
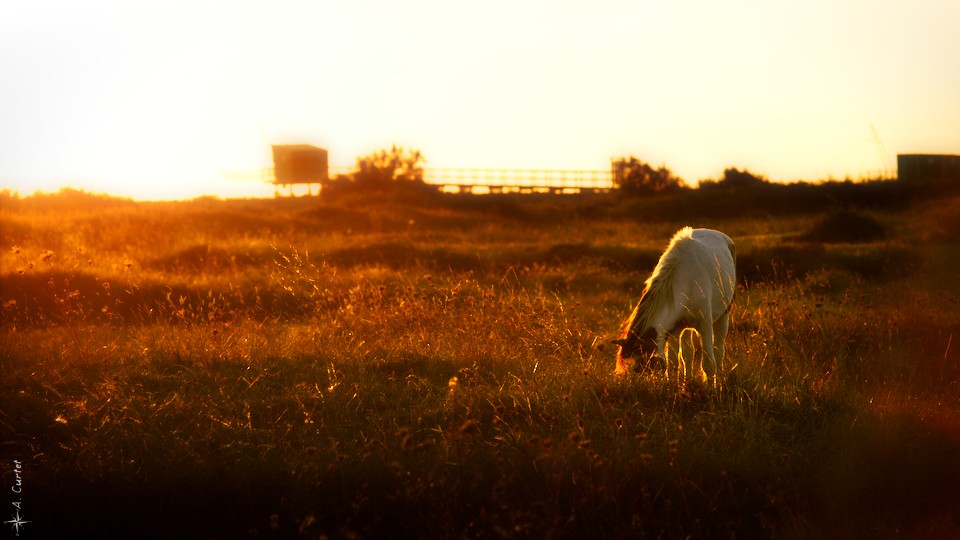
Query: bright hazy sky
(163, 99)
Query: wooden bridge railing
(519, 180)
(460, 180)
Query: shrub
(846, 227)
(636, 177)
(384, 167)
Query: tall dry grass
(280, 379)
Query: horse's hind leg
(720, 327)
(709, 354)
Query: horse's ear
(620, 342)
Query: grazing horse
(692, 287)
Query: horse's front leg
(720, 327)
(673, 357)
(688, 354)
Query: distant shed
(929, 170)
(299, 164)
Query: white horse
(691, 288)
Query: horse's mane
(658, 290)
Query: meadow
(438, 367)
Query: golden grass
(298, 369)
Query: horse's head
(642, 349)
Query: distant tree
(387, 168)
(636, 177)
(734, 177)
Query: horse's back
(711, 265)
(714, 241)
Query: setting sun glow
(182, 99)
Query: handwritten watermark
(17, 521)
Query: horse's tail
(733, 254)
(732, 298)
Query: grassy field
(391, 367)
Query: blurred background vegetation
(404, 362)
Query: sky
(178, 99)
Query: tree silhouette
(636, 177)
(385, 168)
(734, 177)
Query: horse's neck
(665, 319)
(661, 312)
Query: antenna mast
(884, 154)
